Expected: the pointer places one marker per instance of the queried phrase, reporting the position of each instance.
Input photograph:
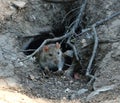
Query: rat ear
(58, 45)
(45, 48)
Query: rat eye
(50, 54)
(58, 53)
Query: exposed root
(89, 69)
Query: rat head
(53, 55)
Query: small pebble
(18, 4)
(32, 77)
(67, 90)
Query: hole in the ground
(33, 43)
(36, 41)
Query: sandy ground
(22, 82)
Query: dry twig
(45, 42)
(88, 72)
(69, 13)
(79, 18)
(100, 22)
(76, 24)
(74, 49)
(94, 51)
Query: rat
(51, 57)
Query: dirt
(22, 81)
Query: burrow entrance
(57, 86)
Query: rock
(67, 90)
(69, 53)
(32, 77)
(18, 4)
